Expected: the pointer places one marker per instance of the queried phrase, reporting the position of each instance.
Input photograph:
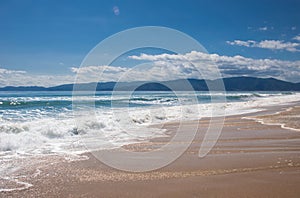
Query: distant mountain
(23, 88)
(231, 84)
(259, 84)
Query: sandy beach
(257, 155)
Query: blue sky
(40, 37)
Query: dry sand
(250, 159)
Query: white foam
(59, 133)
(24, 185)
(38, 132)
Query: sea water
(43, 122)
(48, 123)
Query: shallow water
(48, 123)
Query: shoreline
(246, 147)
(269, 119)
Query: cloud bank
(270, 44)
(163, 67)
(231, 65)
(23, 78)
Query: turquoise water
(62, 100)
(44, 122)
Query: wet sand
(257, 155)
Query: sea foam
(44, 126)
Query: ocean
(48, 123)
(44, 122)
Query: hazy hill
(231, 84)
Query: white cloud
(269, 44)
(98, 73)
(263, 28)
(116, 10)
(97, 69)
(278, 45)
(163, 67)
(7, 71)
(23, 78)
(155, 71)
(248, 43)
(230, 65)
(297, 38)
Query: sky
(44, 42)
